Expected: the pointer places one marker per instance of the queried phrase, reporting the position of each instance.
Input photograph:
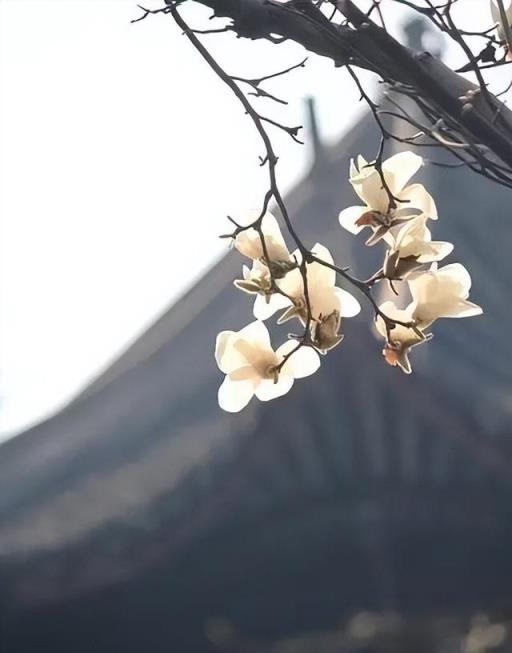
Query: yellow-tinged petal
(399, 168)
(399, 333)
(248, 242)
(349, 216)
(442, 293)
(418, 200)
(317, 273)
(348, 304)
(370, 189)
(303, 362)
(257, 332)
(220, 345)
(233, 395)
(436, 250)
(267, 389)
(263, 308)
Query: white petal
(303, 362)
(323, 300)
(276, 246)
(263, 309)
(466, 309)
(248, 243)
(235, 395)
(361, 161)
(267, 389)
(220, 347)
(442, 293)
(437, 251)
(349, 306)
(424, 286)
(318, 274)
(257, 332)
(400, 168)
(348, 218)
(419, 199)
(399, 333)
(368, 185)
(229, 353)
(458, 273)
(353, 171)
(292, 284)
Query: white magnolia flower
(411, 246)
(377, 213)
(324, 296)
(252, 367)
(400, 339)
(496, 16)
(256, 280)
(248, 242)
(441, 292)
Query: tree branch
(363, 43)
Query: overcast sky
(121, 153)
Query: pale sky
(121, 154)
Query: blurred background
(366, 510)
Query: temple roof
(144, 470)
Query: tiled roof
(144, 468)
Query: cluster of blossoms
(301, 285)
(398, 214)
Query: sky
(121, 154)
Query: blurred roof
(360, 475)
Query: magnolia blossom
(378, 212)
(256, 280)
(252, 367)
(441, 292)
(248, 242)
(324, 296)
(400, 339)
(411, 246)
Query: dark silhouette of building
(143, 518)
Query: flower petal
(248, 242)
(264, 309)
(323, 301)
(392, 311)
(369, 187)
(400, 168)
(303, 362)
(267, 389)
(256, 331)
(458, 273)
(292, 284)
(349, 306)
(442, 293)
(466, 309)
(435, 250)
(276, 246)
(349, 216)
(318, 274)
(418, 199)
(235, 395)
(220, 347)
